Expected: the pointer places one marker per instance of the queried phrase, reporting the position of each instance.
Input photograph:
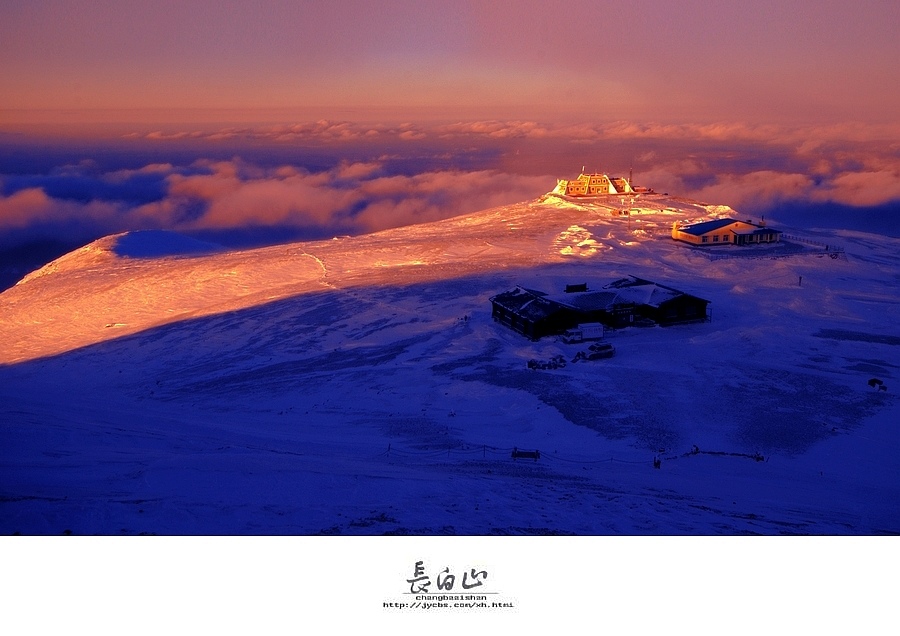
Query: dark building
(662, 304)
(536, 314)
(531, 314)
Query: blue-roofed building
(725, 232)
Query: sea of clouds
(255, 185)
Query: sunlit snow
(151, 384)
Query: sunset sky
(769, 60)
(268, 121)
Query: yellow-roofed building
(592, 185)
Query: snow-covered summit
(92, 254)
(359, 385)
(137, 244)
(140, 279)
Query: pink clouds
(32, 206)
(860, 189)
(382, 176)
(24, 207)
(370, 203)
(294, 200)
(158, 134)
(759, 190)
(321, 131)
(236, 194)
(358, 170)
(401, 200)
(756, 191)
(500, 129)
(805, 139)
(216, 195)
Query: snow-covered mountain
(154, 384)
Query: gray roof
(619, 292)
(527, 303)
(588, 300)
(534, 305)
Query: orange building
(592, 185)
(725, 231)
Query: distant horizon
(100, 120)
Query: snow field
(359, 386)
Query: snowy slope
(359, 385)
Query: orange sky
(767, 61)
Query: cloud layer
(209, 196)
(324, 178)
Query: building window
(725, 239)
(706, 239)
(716, 238)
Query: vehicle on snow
(597, 351)
(585, 331)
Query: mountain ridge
(360, 386)
(500, 237)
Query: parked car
(597, 351)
